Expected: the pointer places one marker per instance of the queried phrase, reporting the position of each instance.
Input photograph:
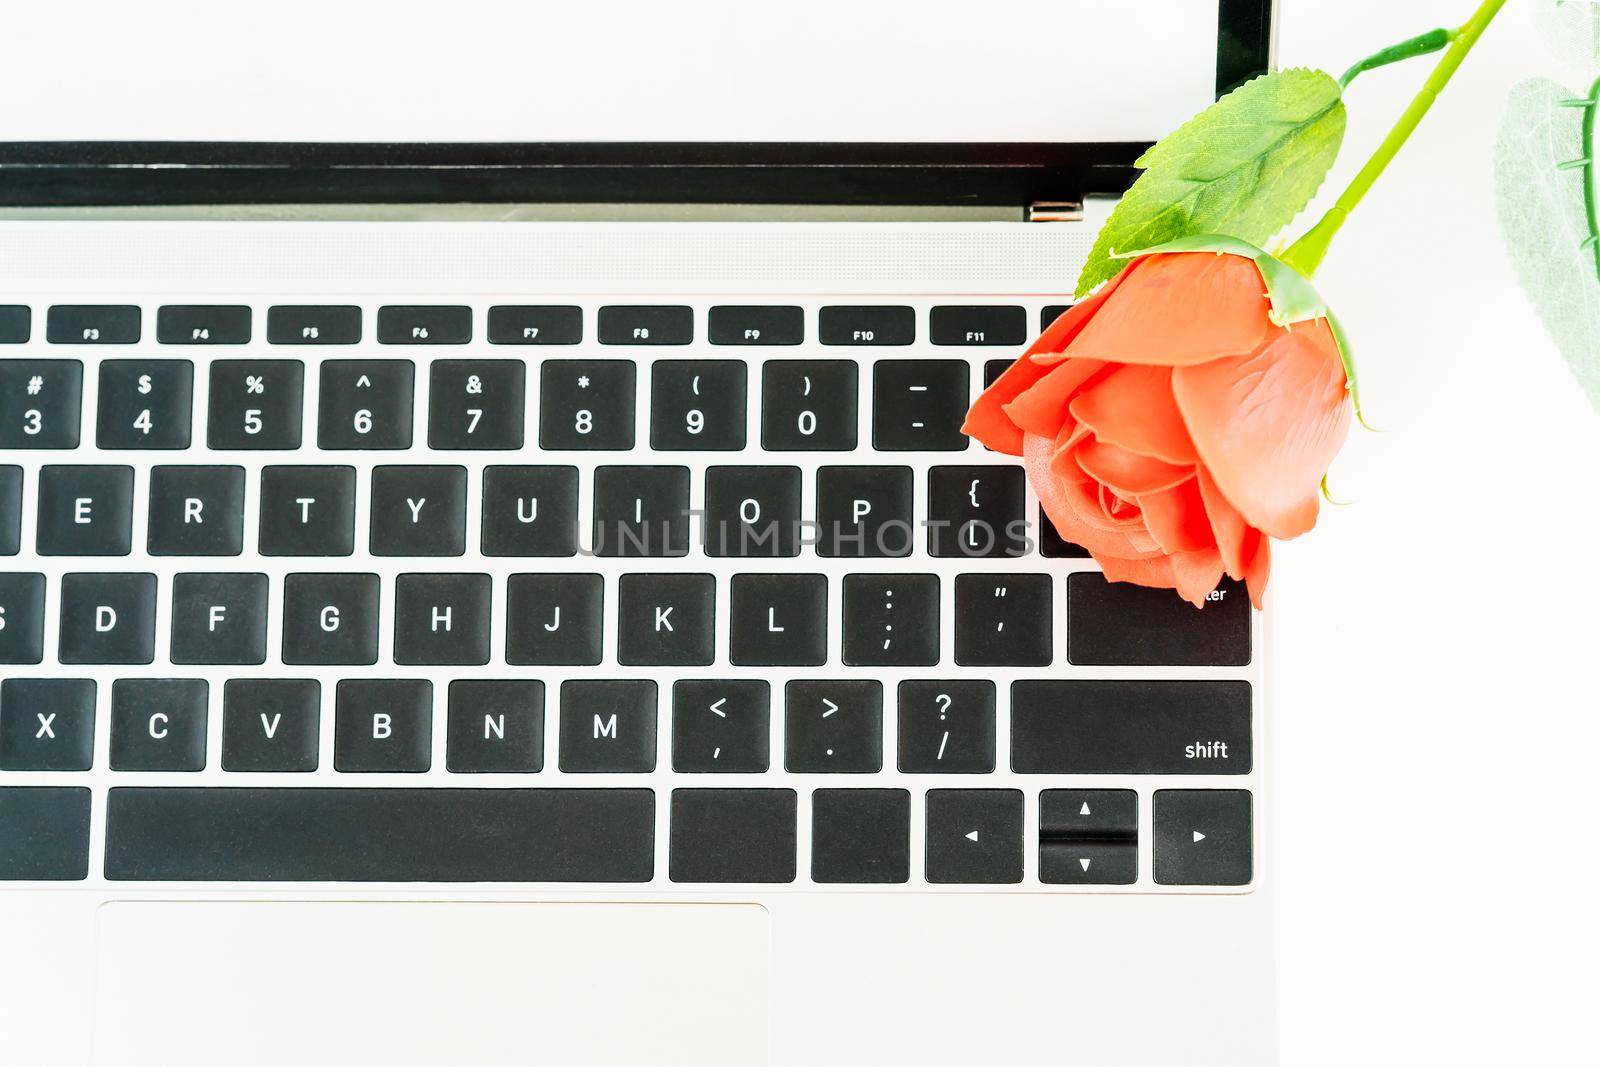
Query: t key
(255, 403)
(365, 403)
(145, 403)
(476, 403)
(40, 402)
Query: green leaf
(1244, 167)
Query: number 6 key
(365, 404)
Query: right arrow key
(1202, 837)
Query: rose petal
(1069, 506)
(1133, 407)
(1192, 574)
(1042, 408)
(1177, 519)
(1129, 473)
(1258, 567)
(1228, 527)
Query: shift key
(1130, 727)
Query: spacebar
(380, 835)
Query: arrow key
(974, 837)
(1202, 837)
(365, 404)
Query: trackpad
(248, 983)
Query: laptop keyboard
(711, 594)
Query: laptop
(492, 573)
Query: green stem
(1306, 254)
(1421, 45)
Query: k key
(476, 403)
(145, 403)
(365, 404)
(255, 404)
(40, 403)
(1004, 620)
(666, 619)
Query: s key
(255, 404)
(40, 403)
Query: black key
(645, 324)
(1122, 625)
(808, 405)
(92, 324)
(721, 726)
(977, 512)
(85, 511)
(1088, 837)
(1004, 620)
(778, 620)
(870, 325)
(833, 726)
(196, 511)
(974, 837)
(861, 836)
(44, 834)
(307, 511)
(891, 620)
(406, 324)
(476, 403)
(255, 404)
(427, 835)
(946, 727)
(496, 726)
(641, 511)
(158, 724)
(530, 511)
(16, 324)
(1130, 727)
(586, 404)
(698, 405)
(203, 324)
(441, 619)
(219, 619)
(978, 324)
(46, 724)
(21, 618)
(752, 511)
(107, 618)
(864, 512)
(313, 324)
(746, 324)
(554, 618)
(365, 404)
(535, 324)
(608, 726)
(271, 725)
(41, 403)
(330, 618)
(1202, 837)
(666, 619)
(1050, 313)
(418, 511)
(993, 368)
(1053, 546)
(10, 509)
(383, 725)
(145, 403)
(918, 405)
(732, 835)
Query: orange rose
(1179, 418)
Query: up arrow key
(1085, 809)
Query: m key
(608, 726)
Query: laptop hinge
(1055, 211)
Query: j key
(404, 324)
(196, 511)
(918, 405)
(974, 837)
(530, 511)
(203, 324)
(365, 404)
(85, 511)
(308, 511)
(1050, 313)
(608, 726)
(978, 324)
(721, 726)
(752, 511)
(1004, 620)
(778, 620)
(255, 404)
(1053, 546)
(554, 618)
(145, 403)
(808, 405)
(625, 324)
(303, 324)
(93, 324)
(158, 724)
(1130, 727)
(271, 724)
(10, 509)
(1088, 836)
(698, 405)
(861, 836)
(219, 618)
(1116, 624)
(107, 618)
(330, 618)
(476, 403)
(534, 324)
(441, 619)
(586, 404)
(1202, 837)
(732, 835)
(833, 726)
(977, 512)
(496, 726)
(383, 725)
(46, 724)
(891, 620)
(666, 619)
(872, 325)
(864, 512)
(21, 618)
(946, 727)
(419, 511)
(44, 833)
(40, 403)
(16, 324)
(641, 511)
(738, 324)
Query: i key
(586, 404)
(1004, 620)
(977, 512)
(365, 404)
(720, 726)
(918, 405)
(698, 405)
(641, 511)
(255, 404)
(145, 403)
(946, 727)
(476, 403)
(40, 403)
(808, 405)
